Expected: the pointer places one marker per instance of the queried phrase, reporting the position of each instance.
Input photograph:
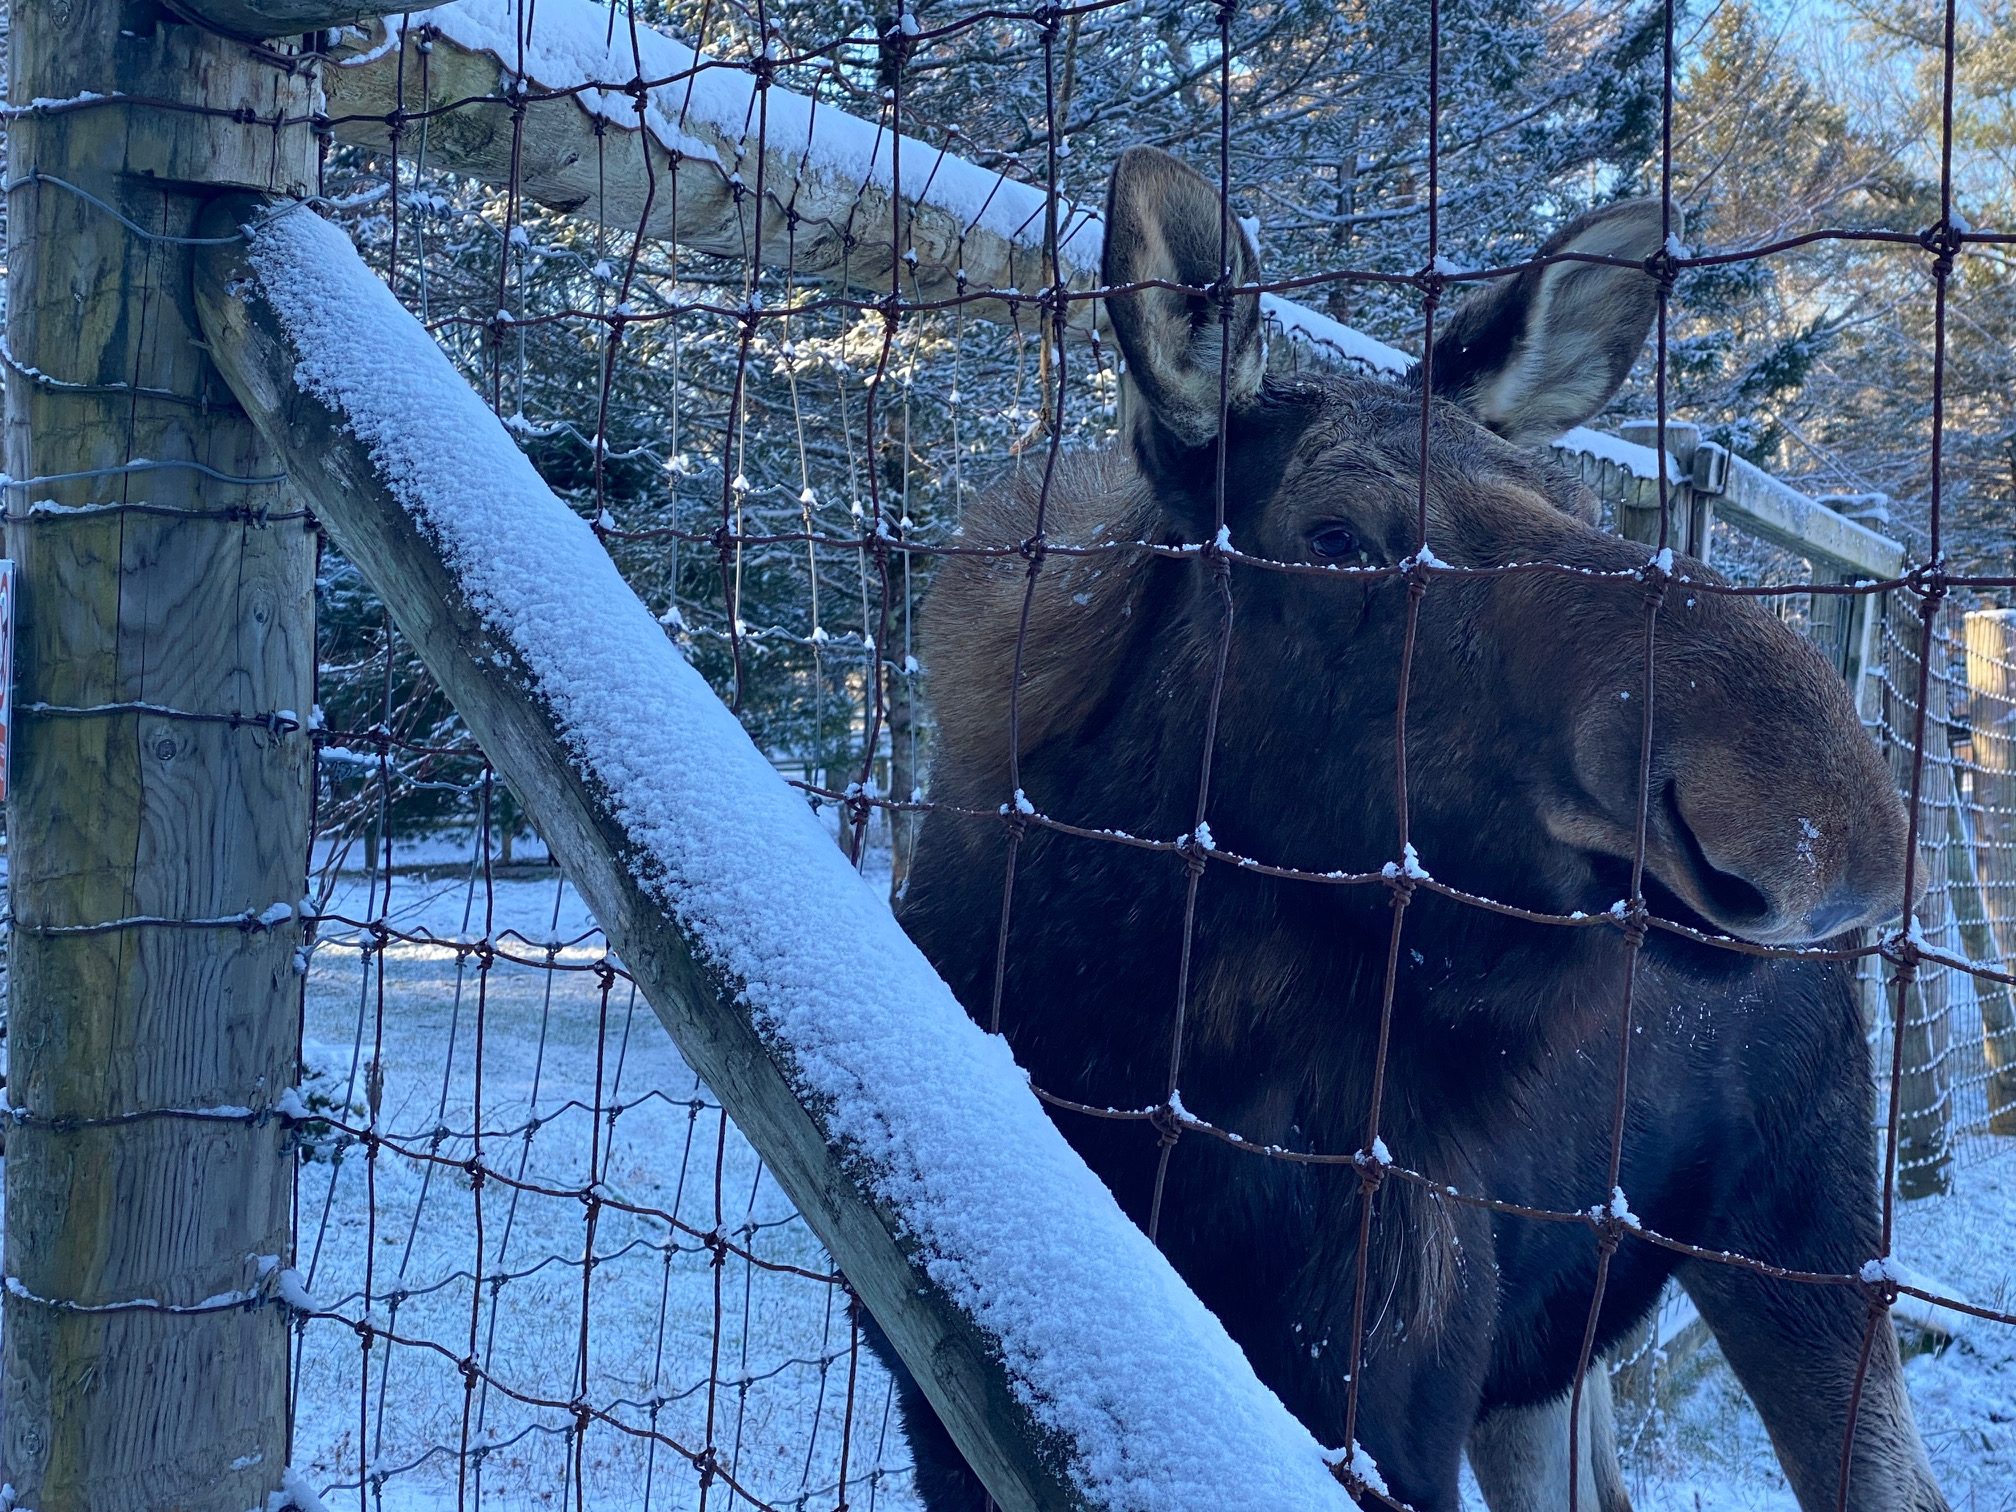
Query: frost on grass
(1101, 1340)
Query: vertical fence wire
(536, 1254)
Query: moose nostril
(1733, 899)
(1844, 908)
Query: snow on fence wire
(535, 1259)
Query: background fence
(777, 467)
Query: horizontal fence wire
(536, 1262)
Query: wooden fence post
(158, 819)
(1925, 1124)
(1861, 615)
(1991, 703)
(1638, 514)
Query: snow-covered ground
(663, 1318)
(1711, 1451)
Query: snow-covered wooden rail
(703, 156)
(1072, 1365)
(707, 157)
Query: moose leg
(1796, 1349)
(1520, 1454)
(944, 1483)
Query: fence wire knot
(1944, 240)
(1902, 949)
(1372, 1165)
(1400, 882)
(1663, 267)
(1880, 1284)
(1930, 581)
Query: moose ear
(1548, 347)
(1165, 223)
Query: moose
(1769, 817)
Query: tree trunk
(903, 778)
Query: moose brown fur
(1769, 817)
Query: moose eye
(1333, 541)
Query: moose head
(1768, 812)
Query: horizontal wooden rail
(710, 160)
(841, 199)
(704, 157)
(1744, 496)
(1762, 505)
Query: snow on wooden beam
(1071, 1364)
(842, 199)
(692, 158)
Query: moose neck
(1287, 976)
(1291, 973)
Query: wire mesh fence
(537, 1264)
(717, 1320)
(1961, 1035)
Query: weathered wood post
(1861, 614)
(158, 819)
(1925, 1097)
(1991, 703)
(1638, 513)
